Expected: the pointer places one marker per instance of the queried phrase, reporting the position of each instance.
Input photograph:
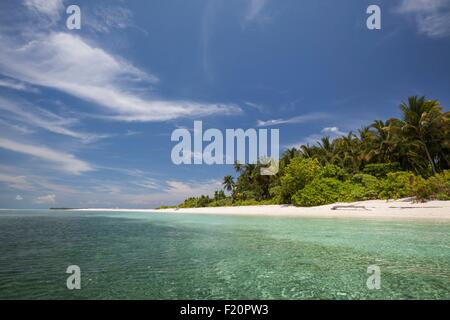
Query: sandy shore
(403, 209)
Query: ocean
(127, 255)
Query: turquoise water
(173, 256)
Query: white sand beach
(403, 209)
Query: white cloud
(20, 179)
(15, 127)
(256, 106)
(254, 9)
(104, 18)
(108, 189)
(19, 197)
(420, 5)
(171, 192)
(299, 119)
(47, 199)
(51, 9)
(148, 184)
(183, 189)
(333, 131)
(16, 182)
(16, 85)
(432, 16)
(64, 161)
(68, 63)
(312, 139)
(34, 116)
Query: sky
(86, 116)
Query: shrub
(297, 175)
(253, 202)
(381, 170)
(333, 171)
(325, 190)
(167, 207)
(397, 185)
(221, 203)
(434, 188)
(319, 192)
(276, 194)
(202, 201)
(366, 187)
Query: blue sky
(86, 115)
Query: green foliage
(333, 171)
(436, 187)
(388, 159)
(276, 194)
(253, 202)
(380, 170)
(228, 183)
(298, 174)
(366, 187)
(193, 202)
(219, 195)
(221, 203)
(397, 185)
(319, 192)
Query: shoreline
(402, 209)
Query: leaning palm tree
(228, 183)
(422, 123)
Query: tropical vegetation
(395, 158)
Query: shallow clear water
(173, 256)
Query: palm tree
(347, 152)
(423, 123)
(290, 153)
(306, 150)
(381, 143)
(237, 166)
(228, 183)
(327, 150)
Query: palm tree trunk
(433, 168)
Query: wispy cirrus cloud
(16, 177)
(148, 183)
(17, 85)
(254, 9)
(16, 127)
(47, 7)
(47, 11)
(104, 18)
(64, 161)
(298, 119)
(70, 64)
(18, 182)
(432, 16)
(34, 116)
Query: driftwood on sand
(351, 207)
